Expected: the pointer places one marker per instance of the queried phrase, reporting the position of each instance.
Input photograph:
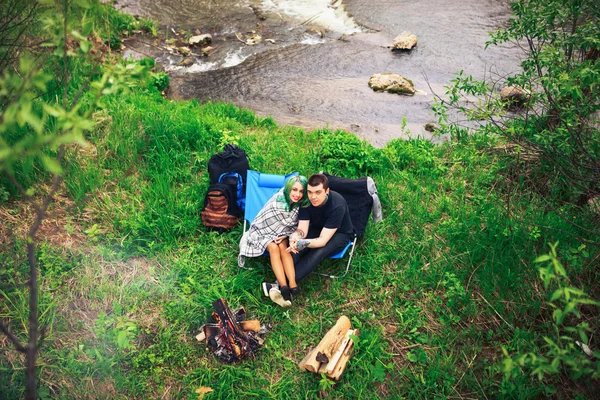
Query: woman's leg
(288, 264)
(276, 264)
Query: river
(307, 62)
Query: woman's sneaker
(277, 298)
(266, 287)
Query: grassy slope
(436, 288)
(129, 274)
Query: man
(324, 227)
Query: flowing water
(308, 62)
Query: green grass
(129, 274)
(436, 288)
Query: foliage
(557, 128)
(128, 273)
(345, 152)
(160, 80)
(35, 127)
(564, 349)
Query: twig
(497, 313)
(463, 375)
(12, 338)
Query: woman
(270, 230)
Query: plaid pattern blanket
(271, 222)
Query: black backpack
(232, 160)
(221, 211)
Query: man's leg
(311, 258)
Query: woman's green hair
(287, 189)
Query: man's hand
(294, 237)
(302, 244)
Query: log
(232, 335)
(338, 354)
(328, 345)
(251, 325)
(310, 355)
(343, 361)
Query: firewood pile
(232, 338)
(331, 355)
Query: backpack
(220, 208)
(231, 160)
(236, 183)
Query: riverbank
(315, 74)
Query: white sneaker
(266, 287)
(276, 297)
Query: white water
(323, 13)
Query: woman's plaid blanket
(272, 221)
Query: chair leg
(347, 265)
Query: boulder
(404, 41)
(594, 204)
(393, 83)
(515, 96)
(186, 62)
(200, 40)
(431, 127)
(184, 51)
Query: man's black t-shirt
(333, 214)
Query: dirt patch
(60, 227)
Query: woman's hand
(279, 239)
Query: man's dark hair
(317, 179)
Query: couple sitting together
(300, 226)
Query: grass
(437, 289)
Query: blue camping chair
(259, 189)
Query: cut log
(343, 361)
(251, 325)
(309, 356)
(338, 354)
(332, 340)
(327, 346)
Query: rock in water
(404, 41)
(393, 83)
(515, 96)
(199, 40)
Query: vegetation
(461, 291)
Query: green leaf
(82, 3)
(25, 64)
(51, 164)
(122, 340)
(557, 294)
(84, 45)
(56, 112)
(543, 258)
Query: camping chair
(360, 194)
(259, 189)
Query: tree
(36, 127)
(557, 125)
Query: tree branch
(22, 191)
(12, 338)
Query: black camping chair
(361, 195)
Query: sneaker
(277, 298)
(285, 292)
(295, 291)
(266, 287)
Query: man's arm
(321, 241)
(300, 233)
